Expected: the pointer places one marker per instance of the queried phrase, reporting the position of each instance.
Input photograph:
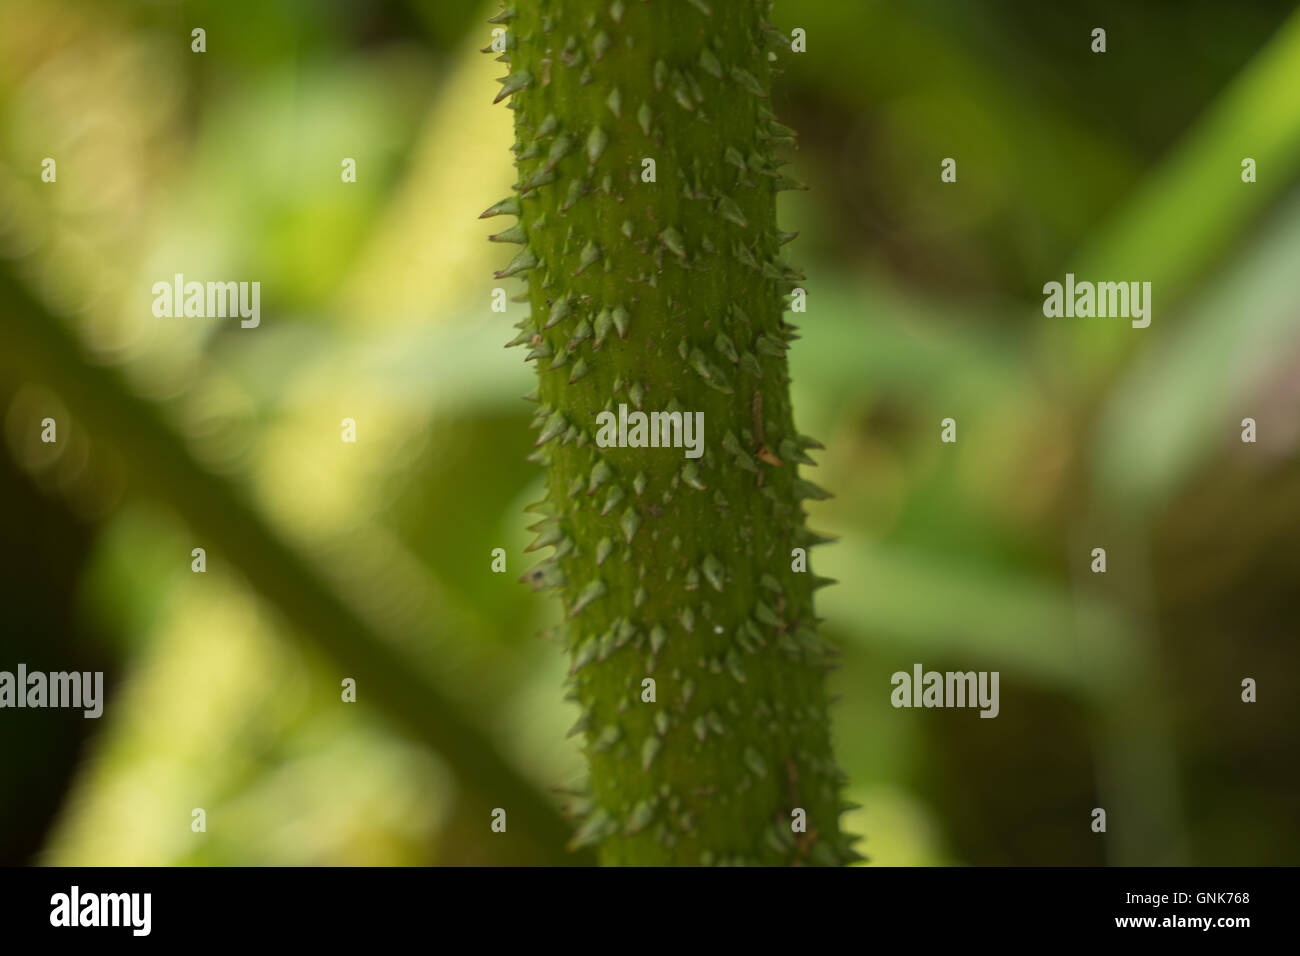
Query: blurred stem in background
(39, 346)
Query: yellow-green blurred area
(1120, 691)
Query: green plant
(646, 211)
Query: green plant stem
(668, 295)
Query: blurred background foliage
(371, 560)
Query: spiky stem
(668, 295)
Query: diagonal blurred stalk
(1194, 205)
(38, 345)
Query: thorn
(562, 147)
(554, 426)
(803, 488)
(726, 347)
(543, 177)
(792, 451)
(671, 238)
(559, 310)
(596, 589)
(621, 319)
(729, 211)
(604, 322)
(714, 571)
(600, 474)
(577, 189)
(515, 233)
(597, 826)
(590, 253)
(691, 477)
(629, 524)
(523, 261)
(683, 98)
(747, 82)
(616, 494)
(506, 207)
(709, 63)
(513, 84)
(649, 750)
(597, 140)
